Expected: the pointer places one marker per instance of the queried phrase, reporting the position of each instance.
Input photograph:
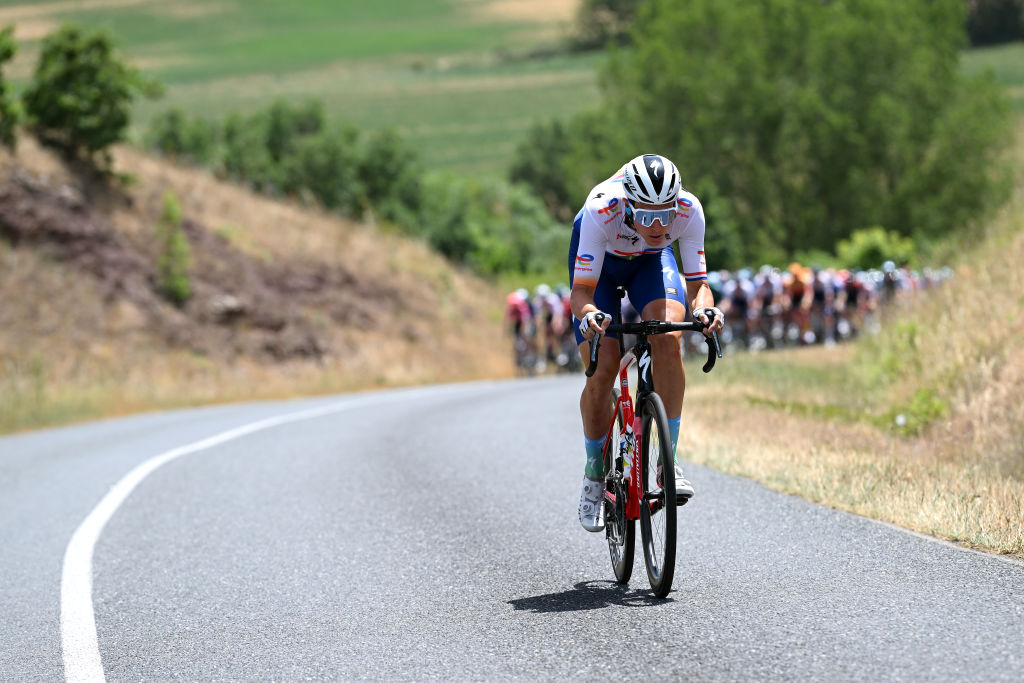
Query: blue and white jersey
(603, 230)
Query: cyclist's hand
(593, 323)
(712, 318)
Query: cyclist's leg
(595, 407)
(658, 293)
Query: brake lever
(594, 346)
(714, 351)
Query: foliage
(600, 22)
(80, 99)
(286, 125)
(995, 21)
(9, 114)
(245, 157)
(174, 134)
(325, 165)
(175, 256)
(807, 120)
(490, 225)
(869, 247)
(538, 163)
(389, 172)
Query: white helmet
(652, 179)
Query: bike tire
(619, 531)
(658, 508)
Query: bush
(80, 99)
(286, 125)
(175, 256)
(490, 225)
(325, 166)
(246, 158)
(174, 134)
(390, 176)
(870, 247)
(9, 114)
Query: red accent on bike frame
(629, 418)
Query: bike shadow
(588, 595)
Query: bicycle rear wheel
(620, 532)
(658, 507)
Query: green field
(1007, 63)
(450, 75)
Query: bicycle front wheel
(620, 532)
(658, 507)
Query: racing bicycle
(639, 463)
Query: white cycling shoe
(684, 489)
(591, 509)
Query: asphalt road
(431, 534)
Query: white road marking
(79, 644)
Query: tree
(390, 173)
(174, 134)
(539, 164)
(995, 21)
(80, 99)
(325, 165)
(489, 225)
(809, 119)
(9, 114)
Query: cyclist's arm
(699, 295)
(581, 300)
(589, 261)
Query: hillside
(921, 426)
(286, 301)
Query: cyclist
(519, 319)
(623, 235)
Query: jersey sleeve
(592, 247)
(691, 242)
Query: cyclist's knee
(602, 378)
(667, 346)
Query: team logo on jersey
(612, 210)
(584, 260)
(613, 207)
(684, 202)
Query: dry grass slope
(78, 341)
(961, 348)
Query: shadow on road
(588, 595)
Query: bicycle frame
(632, 429)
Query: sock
(673, 430)
(595, 458)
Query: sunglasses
(646, 217)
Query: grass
(449, 74)
(822, 423)
(69, 354)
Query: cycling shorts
(647, 278)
